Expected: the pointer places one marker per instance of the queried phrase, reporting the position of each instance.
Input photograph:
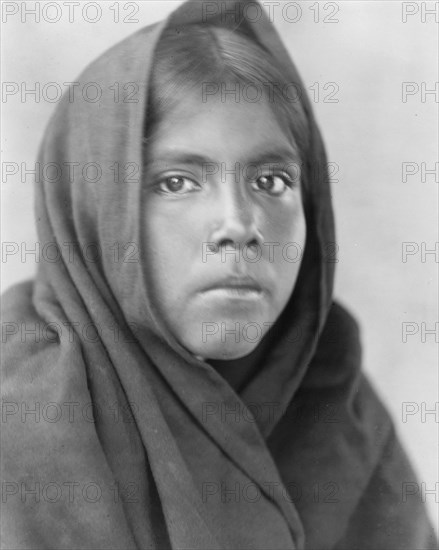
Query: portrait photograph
(219, 272)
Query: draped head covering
(118, 437)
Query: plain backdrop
(370, 133)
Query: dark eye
(273, 184)
(178, 185)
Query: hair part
(191, 58)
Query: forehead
(221, 129)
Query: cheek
(172, 241)
(289, 230)
(286, 223)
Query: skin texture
(221, 184)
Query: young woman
(193, 384)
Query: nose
(236, 221)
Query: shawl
(114, 436)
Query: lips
(232, 282)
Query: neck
(238, 372)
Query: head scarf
(120, 437)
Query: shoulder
(335, 380)
(338, 436)
(34, 359)
(21, 326)
(391, 512)
(337, 357)
(17, 299)
(336, 405)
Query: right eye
(177, 185)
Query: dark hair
(189, 58)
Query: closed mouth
(239, 290)
(242, 285)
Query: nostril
(227, 243)
(253, 244)
(231, 245)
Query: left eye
(178, 185)
(273, 184)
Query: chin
(222, 351)
(223, 340)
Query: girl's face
(224, 224)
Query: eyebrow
(178, 158)
(276, 156)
